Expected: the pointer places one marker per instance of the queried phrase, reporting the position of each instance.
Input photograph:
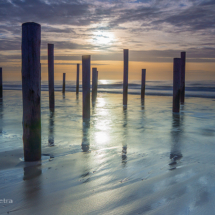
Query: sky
(154, 31)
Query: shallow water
(110, 125)
(118, 163)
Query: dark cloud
(193, 55)
(51, 12)
(200, 15)
(10, 44)
(196, 18)
(141, 14)
(92, 64)
(65, 45)
(71, 19)
(57, 30)
(15, 44)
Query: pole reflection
(93, 104)
(85, 138)
(51, 129)
(1, 116)
(142, 104)
(176, 133)
(31, 172)
(124, 143)
(94, 96)
(32, 184)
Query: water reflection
(142, 104)
(32, 184)
(1, 116)
(93, 105)
(31, 172)
(176, 133)
(85, 139)
(51, 129)
(124, 141)
(102, 123)
(94, 96)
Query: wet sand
(117, 164)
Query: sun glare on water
(103, 81)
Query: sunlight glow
(102, 122)
(103, 81)
(103, 38)
(101, 137)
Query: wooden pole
(143, 84)
(51, 76)
(125, 77)
(94, 84)
(1, 85)
(64, 85)
(31, 40)
(77, 80)
(183, 62)
(86, 86)
(176, 84)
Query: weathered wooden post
(143, 81)
(125, 77)
(176, 84)
(94, 83)
(183, 62)
(1, 85)
(77, 80)
(51, 76)
(31, 40)
(64, 85)
(86, 86)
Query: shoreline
(132, 93)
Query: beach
(116, 163)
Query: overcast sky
(153, 30)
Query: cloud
(10, 44)
(151, 29)
(51, 12)
(198, 17)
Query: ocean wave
(159, 88)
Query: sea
(204, 89)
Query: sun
(103, 38)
